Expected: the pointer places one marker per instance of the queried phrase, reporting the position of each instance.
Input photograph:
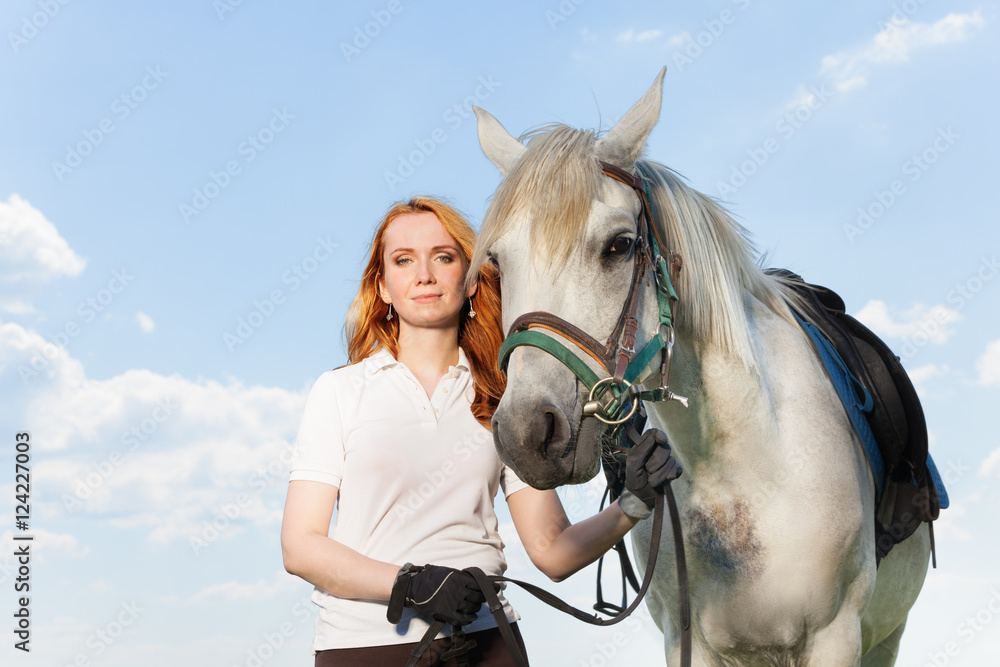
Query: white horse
(776, 498)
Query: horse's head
(564, 238)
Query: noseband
(615, 398)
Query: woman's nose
(425, 274)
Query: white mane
(720, 266)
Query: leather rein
(614, 401)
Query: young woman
(399, 442)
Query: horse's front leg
(665, 613)
(836, 645)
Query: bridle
(617, 356)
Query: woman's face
(423, 268)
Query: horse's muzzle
(541, 446)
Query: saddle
(884, 409)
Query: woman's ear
(472, 290)
(383, 292)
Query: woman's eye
(446, 258)
(620, 246)
(402, 260)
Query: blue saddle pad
(858, 402)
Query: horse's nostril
(550, 428)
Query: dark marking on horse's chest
(724, 534)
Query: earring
(388, 315)
(472, 313)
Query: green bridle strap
(588, 377)
(666, 294)
(553, 347)
(570, 359)
(644, 358)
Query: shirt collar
(379, 359)
(382, 358)
(463, 362)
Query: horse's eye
(491, 258)
(620, 246)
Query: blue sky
(187, 190)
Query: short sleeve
(510, 482)
(318, 454)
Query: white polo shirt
(417, 479)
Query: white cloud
(46, 543)
(641, 36)
(678, 40)
(177, 453)
(923, 378)
(851, 68)
(988, 365)
(46, 547)
(67, 635)
(16, 306)
(925, 373)
(31, 249)
(869, 124)
(32, 359)
(150, 642)
(943, 580)
(146, 322)
(255, 592)
(163, 454)
(946, 528)
(990, 467)
(803, 98)
(929, 322)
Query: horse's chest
(722, 537)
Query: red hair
(480, 337)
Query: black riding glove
(443, 593)
(648, 468)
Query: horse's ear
(500, 147)
(623, 143)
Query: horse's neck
(732, 418)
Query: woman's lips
(427, 298)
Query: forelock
(551, 185)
